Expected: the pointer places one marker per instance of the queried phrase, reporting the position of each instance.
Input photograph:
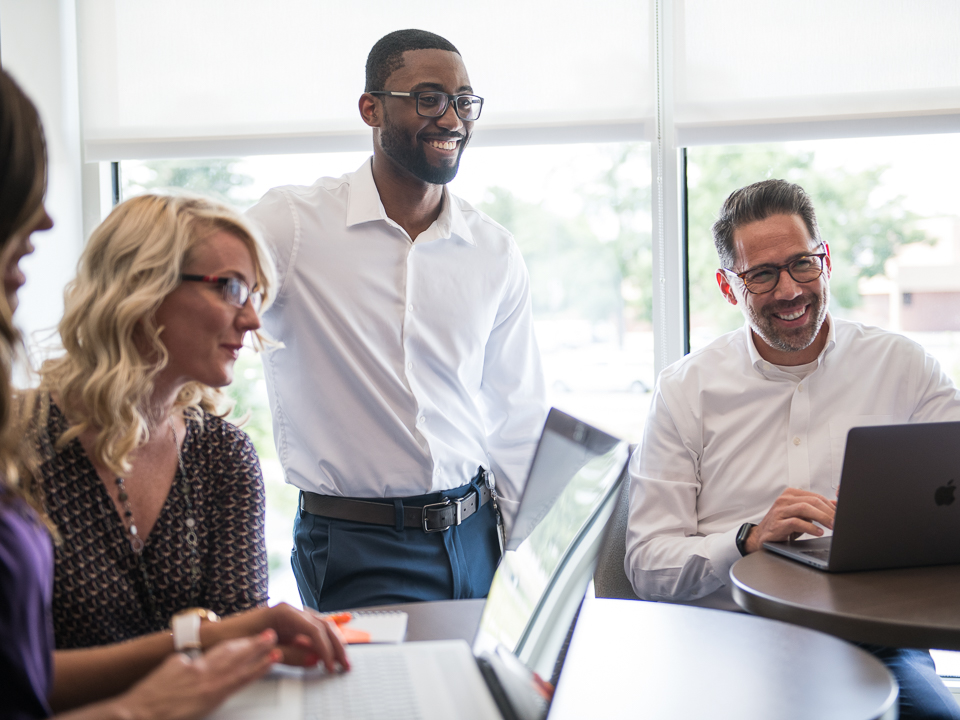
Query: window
(581, 217)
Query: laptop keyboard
(818, 554)
(359, 694)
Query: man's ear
(827, 265)
(370, 110)
(726, 288)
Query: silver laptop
(896, 504)
(535, 596)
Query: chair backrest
(610, 580)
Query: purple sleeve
(26, 627)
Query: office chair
(609, 579)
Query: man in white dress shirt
(408, 397)
(745, 438)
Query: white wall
(38, 48)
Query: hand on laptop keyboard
(791, 515)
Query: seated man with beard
(744, 442)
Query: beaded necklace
(136, 542)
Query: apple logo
(944, 494)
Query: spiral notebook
(536, 592)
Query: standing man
(408, 398)
(745, 439)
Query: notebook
(536, 593)
(896, 504)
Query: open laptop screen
(539, 584)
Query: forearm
(681, 568)
(87, 675)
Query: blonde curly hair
(132, 261)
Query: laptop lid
(896, 503)
(570, 495)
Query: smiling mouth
(444, 144)
(788, 316)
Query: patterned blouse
(102, 594)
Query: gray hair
(758, 202)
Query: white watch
(186, 630)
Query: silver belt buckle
(446, 501)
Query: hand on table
(792, 515)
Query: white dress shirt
(728, 432)
(406, 365)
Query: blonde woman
(159, 501)
(135, 678)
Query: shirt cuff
(722, 552)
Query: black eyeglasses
(433, 103)
(235, 291)
(764, 278)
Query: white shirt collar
(364, 205)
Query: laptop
(896, 503)
(571, 489)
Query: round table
(912, 607)
(635, 659)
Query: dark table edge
(843, 625)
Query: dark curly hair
(386, 56)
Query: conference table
(909, 607)
(629, 659)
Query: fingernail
(311, 659)
(276, 655)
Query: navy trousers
(922, 692)
(342, 564)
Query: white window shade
(748, 70)
(175, 78)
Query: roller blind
(239, 77)
(749, 70)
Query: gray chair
(610, 581)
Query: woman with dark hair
(138, 675)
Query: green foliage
(571, 272)
(623, 193)
(216, 178)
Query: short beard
(409, 154)
(791, 341)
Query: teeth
(791, 316)
(443, 145)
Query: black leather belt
(432, 517)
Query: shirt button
(422, 420)
(800, 387)
(410, 308)
(796, 440)
(409, 366)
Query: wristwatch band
(742, 534)
(186, 630)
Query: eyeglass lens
(236, 293)
(431, 104)
(803, 270)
